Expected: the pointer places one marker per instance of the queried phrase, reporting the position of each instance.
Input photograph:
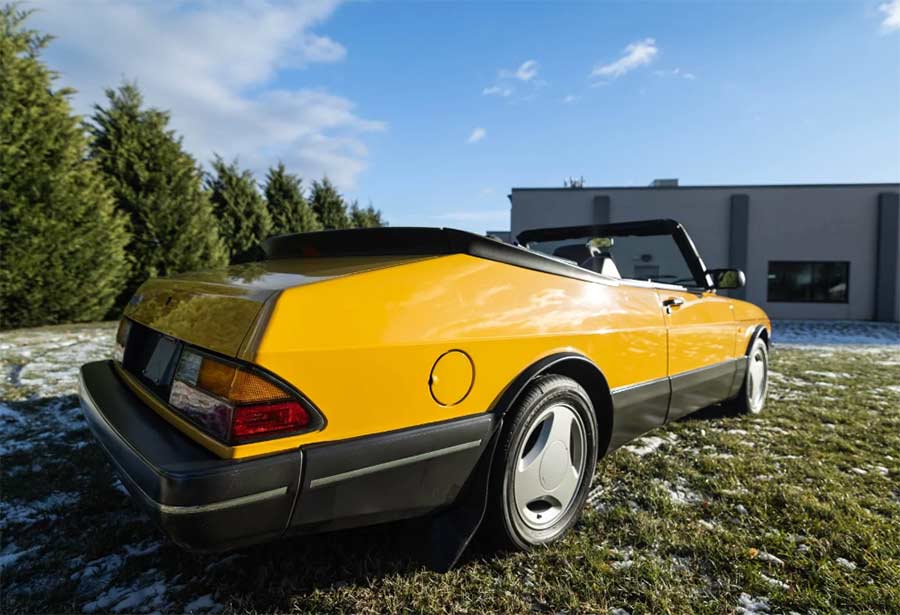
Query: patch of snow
(39, 510)
(706, 525)
(145, 594)
(834, 333)
(845, 563)
(644, 446)
(768, 557)
(859, 471)
(747, 604)
(678, 494)
(619, 611)
(881, 470)
(742, 509)
(774, 582)
(203, 603)
(11, 554)
(835, 375)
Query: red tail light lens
(232, 403)
(251, 421)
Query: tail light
(233, 403)
(121, 340)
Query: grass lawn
(797, 509)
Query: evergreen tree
(61, 241)
(329, 205)
(157, 185)
(288, 207)
(243, 218)
(365, 218)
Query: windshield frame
(639, 228)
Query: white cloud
(527, 71)
(477, 135)
(497, 90)
(570, 99)
(675, 72)
(634, 55)
(215, 67)
(891, 12)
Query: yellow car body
(388, 343)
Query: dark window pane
(816, 282)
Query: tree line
(91, 209)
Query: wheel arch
(580, 369)
(759, 333)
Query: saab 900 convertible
(356, 377)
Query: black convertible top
(425, 241)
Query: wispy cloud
(891, 12)
(497, 90)
(527, 71)
(675, 72)
(477, 135)
(569, 99)
(216, 66)
(635, 55)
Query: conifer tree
(329, 205)
(61, 241)
(157, 185)
(241, 212)
(288, 207)
(365, 218)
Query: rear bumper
(203, 502)
(206, 503)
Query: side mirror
(727, 279)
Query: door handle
(673, 302)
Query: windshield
(648, 258)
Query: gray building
(824, 251)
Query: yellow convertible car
(356, 377)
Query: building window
(809, 282)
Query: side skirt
(700, 388)
(641, 407)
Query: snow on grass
(774, 582)
(11, 554)
(203, 604)
(813, 372)
(834, 333)
(644, 446)
(845, 563)
(147, 593)
(768, 557)
(39, 510)
(748, 605)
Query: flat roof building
(817, 251)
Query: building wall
(790, 223)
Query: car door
(701, 338)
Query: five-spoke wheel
(544, 464)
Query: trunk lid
(218, 310)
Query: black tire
(750, 399)
(542, 398)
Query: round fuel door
(452, 377)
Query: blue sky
(433, 111)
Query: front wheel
(752, 397)
(544, 463)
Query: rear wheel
(752, 398)
(545, 461)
